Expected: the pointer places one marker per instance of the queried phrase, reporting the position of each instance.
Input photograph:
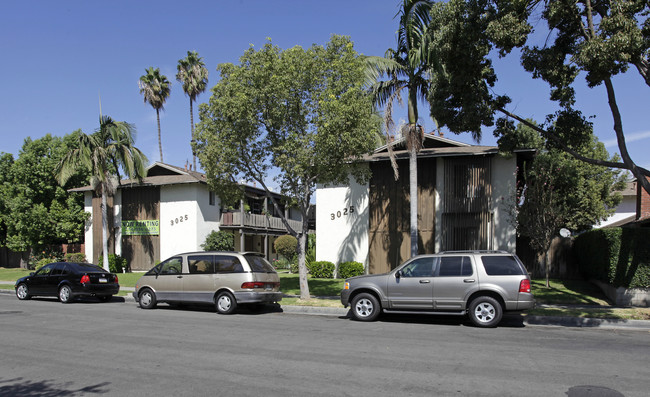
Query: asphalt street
(117, 349)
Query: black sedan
(67, 280)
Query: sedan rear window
(258, 264)
(505, 265)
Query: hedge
(617, 256)
(321, 269)
(350, 269)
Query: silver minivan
(224, 279)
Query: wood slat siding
(98, 246)
(389, 208)
(466, 204)
(141, 252)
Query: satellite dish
(564, 232)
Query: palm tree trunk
(105, 228)
(159, 136)
(192, 132)
(413, 192)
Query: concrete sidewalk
(558, 321)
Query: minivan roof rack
(475, 252)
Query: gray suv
(481, 284)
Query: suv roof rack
(475, 252)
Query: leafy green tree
(193, 74)
(34, 210)
(156, 89)
(103, 154)
(219, 241)
(405, 69)
(559, 190)
(286, 246)
(594, 39)
(301, 116)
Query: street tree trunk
(413, 192)
(159, 135)
(105, 229)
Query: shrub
(219, 241)
(321, 269)
(617, 256)
(350, 269)
(286, 246)
(78, 257)
(116, 264)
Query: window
(455, 266)
(172, 266)
(45, 270)
(228, 264)
(258, 264)
(505, 265)
(421, 267)
(200, 264)
(58, 269)
(211, 198)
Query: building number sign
(345, 212)
(181, 218)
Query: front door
(412, 286)
(169, 281)
(40, 280)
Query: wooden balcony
(257, 222)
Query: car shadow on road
(255, 309)
(510, 320)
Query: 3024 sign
(344, 212)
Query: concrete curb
(556, 321)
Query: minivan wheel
(225, 303)
(365, 307)
(485, 311)
(147, 299)
(65, 294)
(22, 292)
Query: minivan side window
(505, 265)
(455, 266)
(228, 264)
(258, 264)
(200, 264)
(172, 266)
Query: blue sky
(59, 56)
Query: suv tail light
(85, 279)
(524, 286)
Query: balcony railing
(256, 221)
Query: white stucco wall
(182, 224)
(625, 210)
(342, 223)
(504, 179)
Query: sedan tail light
(116, 279)
(85, 279)
(524, 286)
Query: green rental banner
(141, 228)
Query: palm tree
(156, 88)
(405, 70)
(193, 74)
(104, 153)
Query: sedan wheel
(22, 292)
(485, 311)
(226, 303)
(365, 307)
(65, 294)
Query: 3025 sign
(344, 212)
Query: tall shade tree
(405, 69)
(193, 74)
(103, 154)
(594, 40)
(300, 116)
(156, 89)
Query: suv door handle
(425, 281)
(468, 280)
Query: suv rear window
(505, 265)
(258, 264)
